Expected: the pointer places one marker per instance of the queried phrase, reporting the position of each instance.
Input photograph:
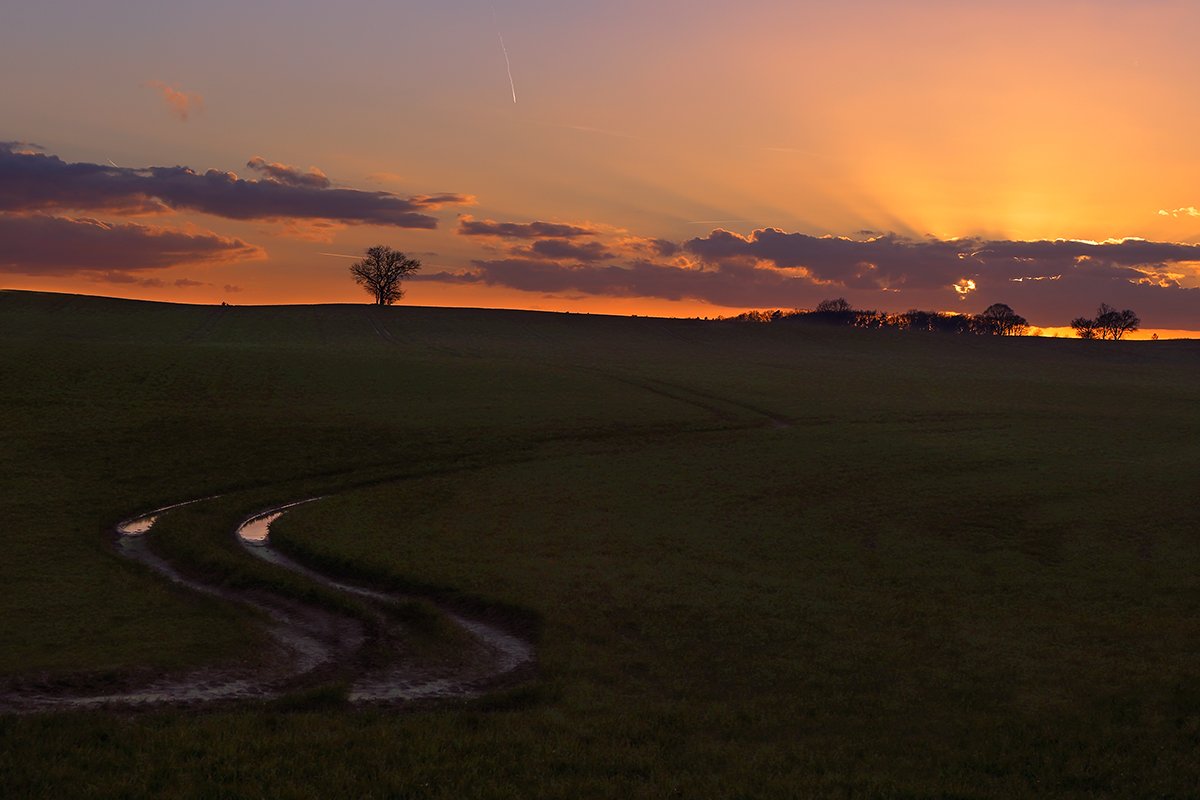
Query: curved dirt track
(310, 645)
(494, 653)
(313, 645)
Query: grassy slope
(966, 570)
(112, 407)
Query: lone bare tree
(381, 271)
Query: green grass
(966, 568)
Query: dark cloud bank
(1048, 281)
(41, 244)
(37, 238)
(31, 181)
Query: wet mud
(309, 645)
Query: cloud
(311, 230)
(733, 286)
(126, 278)
(664, 247)
(35, 181)
(435, 201)
(1047, 281)
(39, 244)
(152, 283)
(635, 247)
(897, 262)
(229, 287)
(24, 148)
(1190, 211)
(966, 286)
(872, 263)
(289, 175)
(468, 226)
(180, 103)
(565, 249)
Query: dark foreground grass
(966, 568)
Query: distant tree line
(997, 319)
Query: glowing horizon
(708, 166)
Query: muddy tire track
(494, 657)
(310, 645)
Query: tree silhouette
(933, 321)
(381, 271)
(1115, 324)
(836, 306)
(999, 319)
(1108, 324)
(1085, 328)
(835, 312)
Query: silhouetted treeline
(1109, 323)
(997, 320)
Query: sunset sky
(683, 159)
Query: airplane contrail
(503, 49)
(113, 163)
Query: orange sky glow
(696, 161)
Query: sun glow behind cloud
(964, 287)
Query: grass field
(763, 561)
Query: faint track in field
(714, 404)
(376, 325)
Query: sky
(682, 159)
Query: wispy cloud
(469, 226)
(1190, 211)
(151, 283)
(179, 103)
(310, 230)
(128, 279)
(22, 148)
(289, 175)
